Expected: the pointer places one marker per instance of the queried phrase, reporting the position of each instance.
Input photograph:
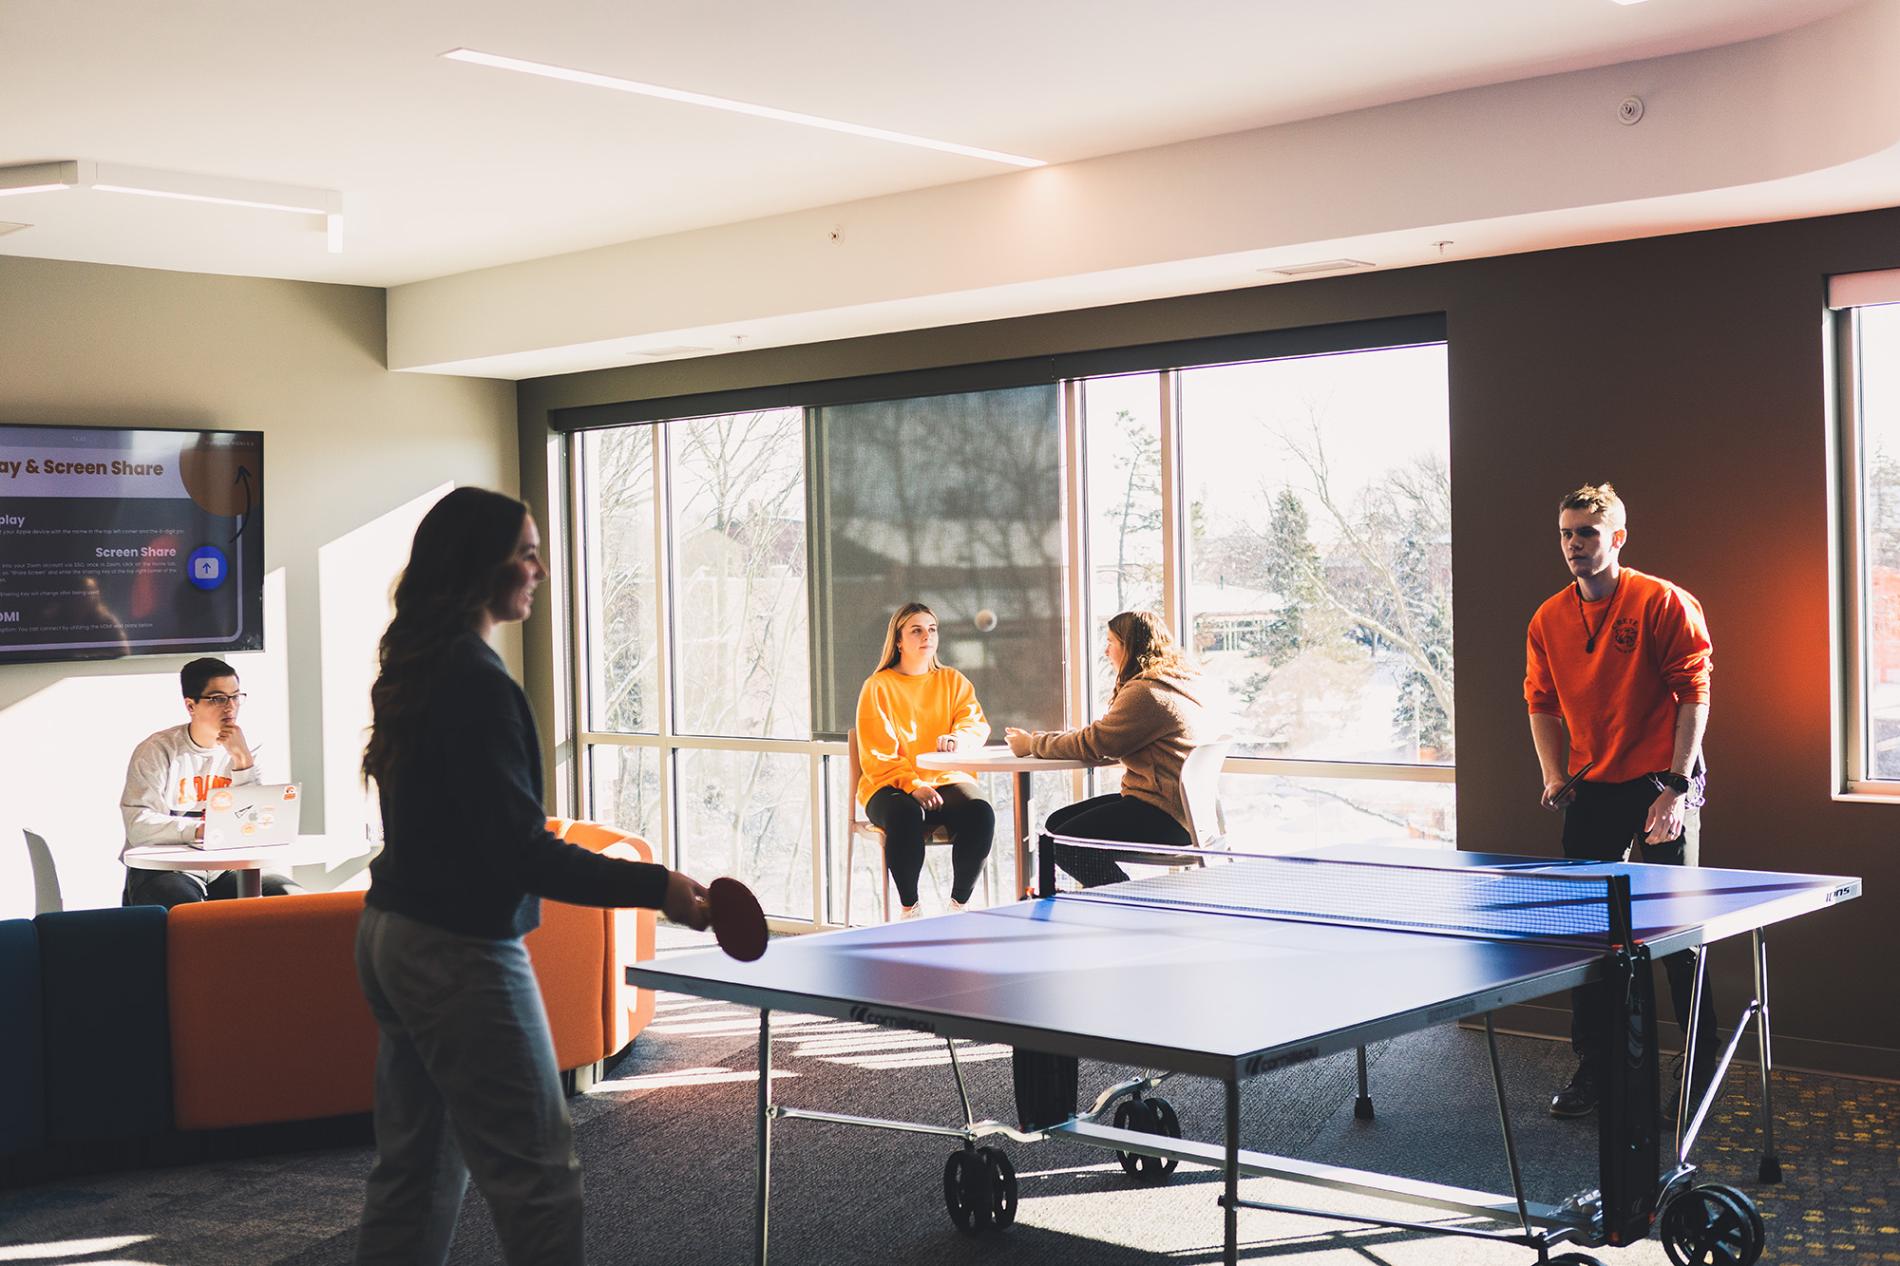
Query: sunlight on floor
(56, 1249)
(684, 1077)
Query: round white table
(249, 863)
(998, 759)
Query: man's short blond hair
(1596, 499)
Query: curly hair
(1150, 645)
(455, 566)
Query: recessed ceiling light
(546, 71)
(1626, 1)
(1318, 266)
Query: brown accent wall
(1691, 371)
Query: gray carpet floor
(667, 1146)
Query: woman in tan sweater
(1155, 717)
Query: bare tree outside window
(1320, 566)
(1123, 420)
(740, 650)
(622, 631)
(955, 501)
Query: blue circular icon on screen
(206, 567)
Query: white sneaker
(912, 912)
(957, 907)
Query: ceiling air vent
(657, 353)
(1318, 266)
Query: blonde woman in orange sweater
(914, 704)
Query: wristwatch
(1672, 782)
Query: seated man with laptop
(171, 777)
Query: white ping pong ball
(985, 620)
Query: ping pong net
(1511, 903)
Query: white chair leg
(850, 855)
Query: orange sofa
(268, 1024)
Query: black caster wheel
(1576, 1259)
(1002, 1185)
(1362, 1110)
(1712, 1225)
(967, 1191)
(1147, 1116)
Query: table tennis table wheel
(1153, 1115)
(1002, 1185)
(979, 1189)
(1712, 1225)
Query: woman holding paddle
(466, 1081)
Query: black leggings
(1112, 817)
(967, 816)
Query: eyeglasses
(218, 701)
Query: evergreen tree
(1292, 568)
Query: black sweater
(465, 840)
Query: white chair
(1200, 791)
(860, 827)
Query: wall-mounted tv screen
(116, 541)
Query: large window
(1867, 341)
(1319, 553)
(949, 500)
(1289, 514)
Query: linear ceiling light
(153, 182)
(38, 177)
(546, 71)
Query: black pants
(1111, 817)
(170, 888)
(1600, 825)
(967, 816)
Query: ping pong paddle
(1571, 785)
(737, 919)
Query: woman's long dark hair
(461, 546)
(1150, 647)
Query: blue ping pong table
(1250, 964)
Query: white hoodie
(168, 777)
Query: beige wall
(352, 453)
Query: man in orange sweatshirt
(1616, 675)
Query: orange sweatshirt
(1619, 702)
(900, 717)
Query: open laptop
(252, 816)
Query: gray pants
(465, 1085)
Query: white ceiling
(446, 168)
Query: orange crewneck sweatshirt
(901, 717)
(1619, 702)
